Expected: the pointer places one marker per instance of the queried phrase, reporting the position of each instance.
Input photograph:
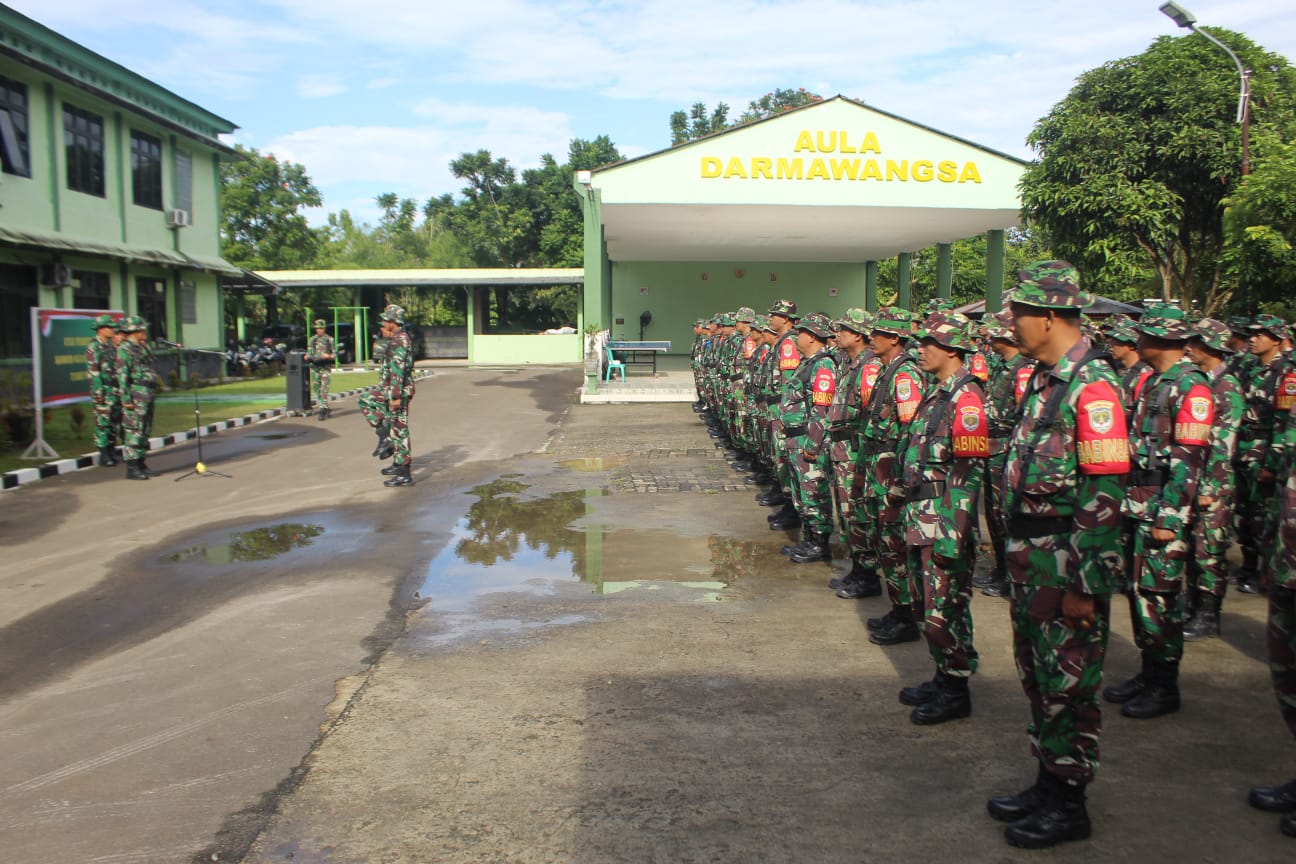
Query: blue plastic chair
(613, 363)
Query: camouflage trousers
(996, 518)
(107, 421)
(847, 497)
(1282, 650)
(883, 532)
(783, 465)
(137, 425)
(813, 485)
(947, 609)
(1211, 532)
(1157, 596)
(320, 377)
(378, 412)
(1060, 670)
(1249, 513)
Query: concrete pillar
(994, 270)
(904, 264)
(870, 286)
(944, 271)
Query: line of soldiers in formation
(123, 384)
(1120, 460)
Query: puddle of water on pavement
(258, 544)
(274, 436)
(597, 463)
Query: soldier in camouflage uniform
(1281, 638)
(943, 469)
(1207, 571)
(803, 414)
(740, 370)
(320, 353)
(758, 372)
(137, 383)
(386, 407)
(1170, 434)
(101, 375)
(1064, 479)
(786, 361)
(1133, 372)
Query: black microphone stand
(200, 468)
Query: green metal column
(994, 270)
(904, 263)
(870, 286)
(597, 285)
(944, 270)
(240, 317)
(472, 319)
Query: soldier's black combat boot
(1206, 623)
(400, 478)
(772, 498)
(381, 431)
(1061, 818)
(920, 693)
(143, 466)
(789, 548)
(134, 471)
(998, 586)
(1011, 808)
(951, 702)
(868, 585)
(1120, 693)
(760, 477)
(856, 573)
(324, 412)
(108, 457)
(1287, 825)
(981, 580)
(881, 622)
(816, 548)
(1160, 696)
(785, 519)
(1274, 799)
(390, 470)
(901, 629)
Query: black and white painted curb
(23, 476)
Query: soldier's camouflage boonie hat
(948, 329)
(997, 332)
(725, 319)
(1050, 285)
(786, 308)
(393, 313)
(762, 322)
(1213, 334)
(893, 320)
(1164, 321)
(856, 320)
(1271, 324)
(938, 304)
(1122, 331)
(1238, 325)
(133, 324)
(320, 324)
(816, 323)
(104, 321)
(745, 315)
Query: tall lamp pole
(1184, 18)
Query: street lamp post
(1184, 18)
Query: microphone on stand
(169, 343)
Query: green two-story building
(110, 192)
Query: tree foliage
(1135, 164)
(697, 123)
(262, 226)
(1260, 228)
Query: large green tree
(1135, 163)
(262, 224)
(1260, 228)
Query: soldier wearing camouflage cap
(386, 407)
(784, 364)
(320, 353)
(742, 417)
(101, 375)
(137, 382)
(1122, 346)
(1064, 479)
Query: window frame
(16, 109)
(83, 146)
(146, 169)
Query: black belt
(842, 434)
(737, 377)
(793, 431)
(872, 448)
(925, 491)
(1156, 477)
(1030, 527)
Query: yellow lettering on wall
(897, 170)
(710, 167)
(735, 169)
(948, 171)
(848, 168)
(842, 145)
(870, 144)
(817, 169)
(790, 169)
(970, 173)
(804, 142)
(828, 147)
(922, 171)
(762, 167)
(871, 170)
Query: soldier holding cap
(1064, 479)
(137, 382)
(320, 354)
(386, 407)
(101, 374)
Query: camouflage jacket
(787, 359)
(396, 378)
(1276, 460)
(1169, 438)
(1064, 477)
(1284, 571)
(842, 422)
(1260, 392)
(135, 374)
(806, 399)
(319, 348)
(766, 395)
(942, 465)
(1132, 382)
(897, 392)
(1217, 473)
(1008, 382)
(101, 370)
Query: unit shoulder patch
(1196, 415)
(1102, 438)
(969, 433)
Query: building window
(188, 303)
(90, 289)
(146, 170)
(18, 294)
(151, 301)
(83, 138)
(13, 128)
(183, 179)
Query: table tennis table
(640, 353)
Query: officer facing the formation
(386, 407)
(319, 353)
(944, 466)
(137, 383)
(101, 374)
(1064, 479)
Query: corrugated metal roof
(520, 277)
(120, 251)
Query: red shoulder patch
(824, 386)
(1196, 415)
(969, 433)
(978, 367)
(1023, 381)
(1102, 438)
(1285, 398)
(908, 395)
(789, 356)
(868, 380)
(749, 348)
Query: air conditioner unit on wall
(56, 274)
(177, 218)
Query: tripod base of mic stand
(200, 469)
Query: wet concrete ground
(593, 653)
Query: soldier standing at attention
(1170, 434)
(1122, 344)
(782, 315)
(1207, 571)
(137, 383)
(320, 355)
(944, 466)
(803, 412)
(101, 373)
(1256, 483)
(386, 407)
(1064, 480)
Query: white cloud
(319, 87)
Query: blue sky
(379, 96)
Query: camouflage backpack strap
(941, 402)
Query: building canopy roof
(834, 181)
(520, 277)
